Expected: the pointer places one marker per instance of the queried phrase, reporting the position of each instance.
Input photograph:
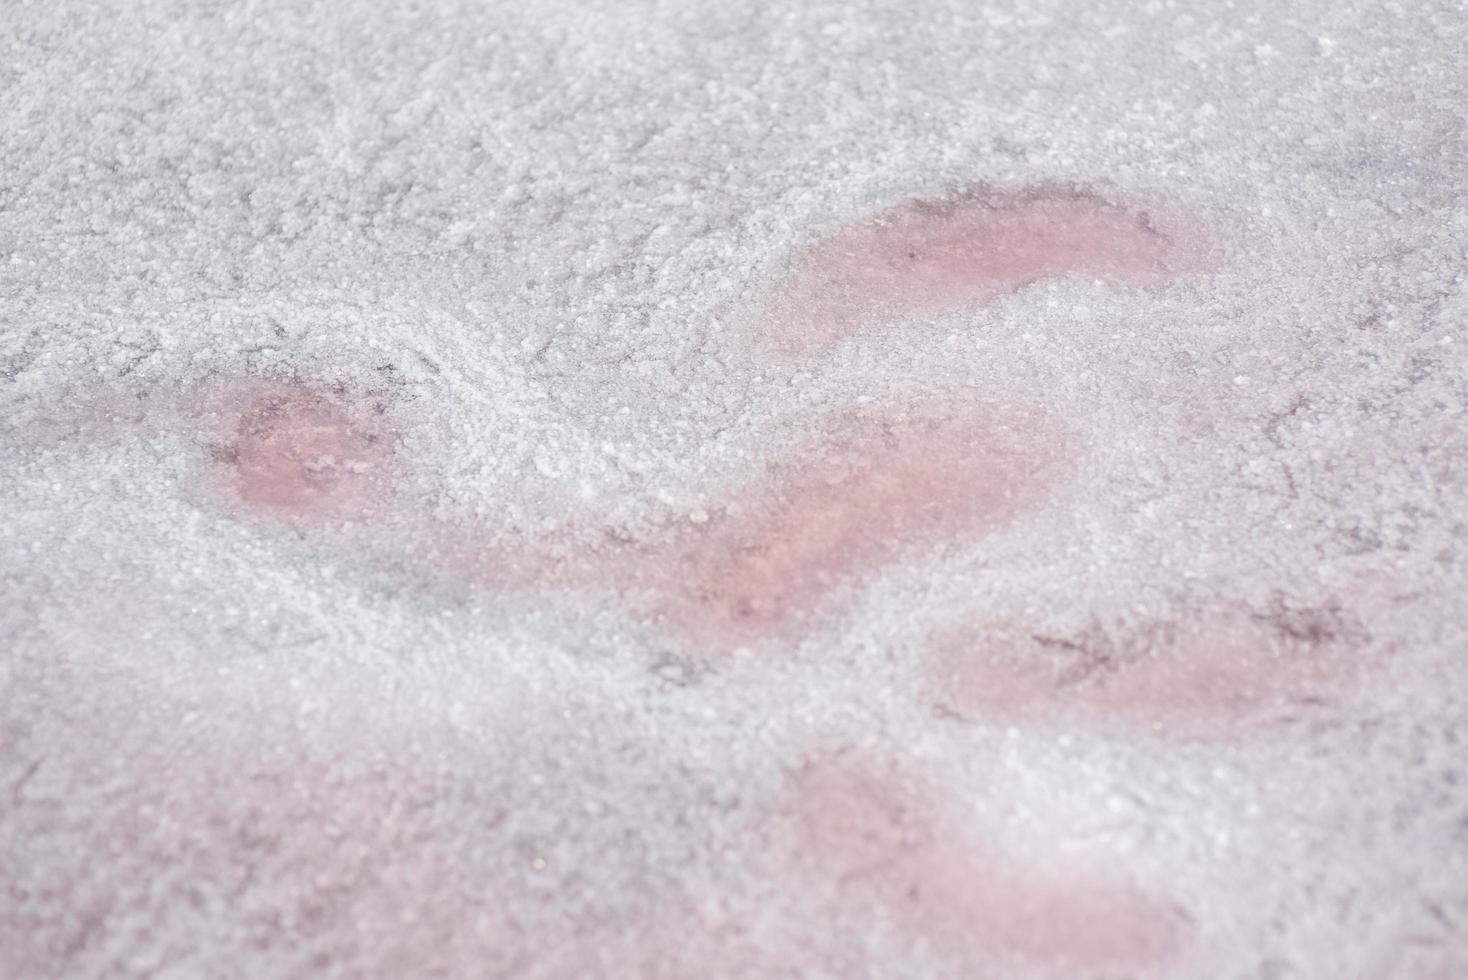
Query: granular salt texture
(560, 244)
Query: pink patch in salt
(1200, 678)
(294, 450)
(928, 258)
(895, 847)
(360, 864)
(882, 484)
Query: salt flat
(676, 489)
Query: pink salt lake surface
(831, 491)
(873, 487)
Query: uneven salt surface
(646, 492)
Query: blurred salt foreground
(668, 490)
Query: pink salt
(298, 450)
(897, 848)
(339, 868)
(878, 485)
(1203, 677)
(927, 258)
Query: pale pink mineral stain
(254, 855)
(353, 862)
(898, 848)
(1206, 677)
(876, 487)
(298, 450)
(928, 258)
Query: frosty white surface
(506, 271)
